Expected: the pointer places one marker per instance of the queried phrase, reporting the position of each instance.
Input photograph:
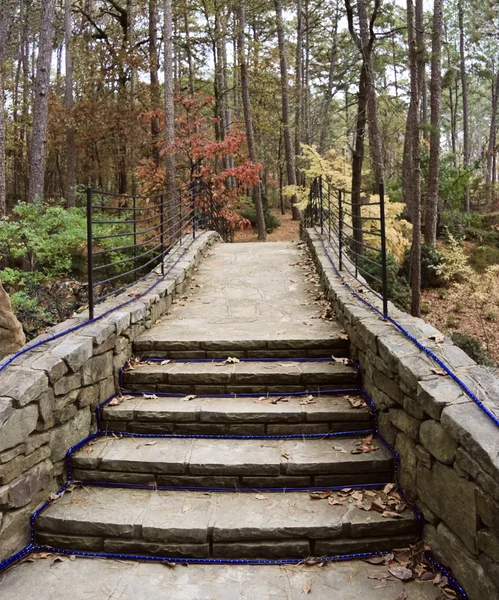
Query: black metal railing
(128, 237)
(355, 232)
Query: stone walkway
(252, 300)
(95, 579)
(251, 294)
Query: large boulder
(11, 332)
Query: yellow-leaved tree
(337, 172)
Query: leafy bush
(471, 346)
(271, 221)
(398, 289)
(431, 265)
(457, 223)
(482, 257)
(48, 238)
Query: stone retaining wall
(449, 449)
(48, 396)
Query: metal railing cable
(356, 234)
(146, 229)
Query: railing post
(329, 213)
(384, 275)
(193, 208)
(321, 207)
(90, 257)
(340, 230)
(134, 205)
(162, 231)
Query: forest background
(256, 97)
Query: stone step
(243, 415)
(240, 378)
(223, 525)
(229, 463)
(153, 344)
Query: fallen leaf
(388, 488)
(334, 502)
(287, 456)
(439, 371)
(343, 336)
(375, 560)
(150, 396)
(308, 400)
(402, 595)
(357, 402)
(150, 443)
(115, 401)
(388, 514)
(401, 573)
(186, 508)
(320, 495)
(169, 564)
(379, 576)
(260, 497)
(438, 337)
(165, 362)
(343, 361)
(189, 398)
(307, 587)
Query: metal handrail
(192, 209)
(326, 211)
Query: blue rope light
(422, 347)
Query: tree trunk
(70, 130)
(414, 182)
(492, 138)
(328, 100)
(307, 136)
(188, 49)
(372, 104)
(464, 89)
(170, 160)
(431, 215)
(41, 103)
(298, 85)
(248, 120)
(4, 28)
(153, 79)
(288, 146)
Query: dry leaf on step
(438, 337)
(261, 497)
(307, 587)
(401, 573)
(439, 371)
(320, 495)
(189, 398)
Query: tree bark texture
(464, 90)
(170, 160)
(431, 215)
(288, 146)
(41, 104)
(414, 181)
(248, 120)
(70, 129)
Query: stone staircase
(247, 467)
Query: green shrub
(271, 221)
(431, 262)
(398, 289)
(482, 257)
(471, 346)
(457, 223)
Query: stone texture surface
(448, 447)
(267, 308)
(108, 579)
(11, 332)
(196, 517)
